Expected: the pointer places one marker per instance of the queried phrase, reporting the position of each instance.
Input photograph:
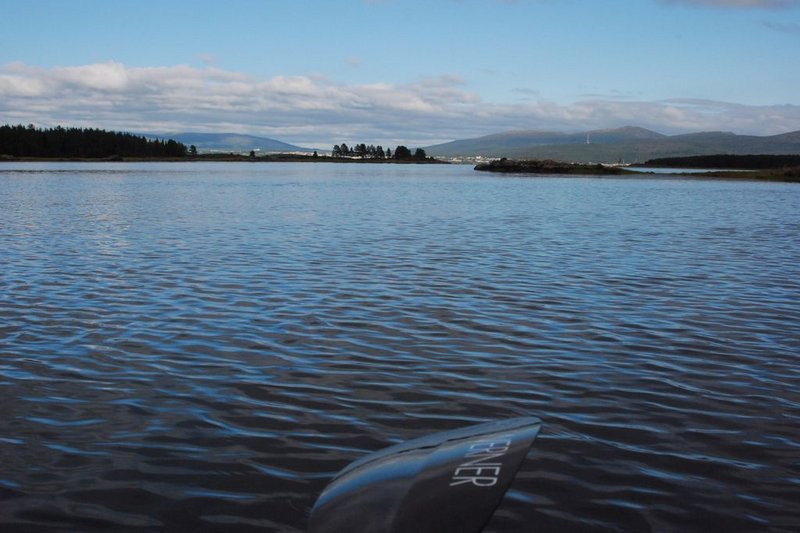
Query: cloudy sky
(401, 71)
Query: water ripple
(202, 346)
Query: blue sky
(389, 71)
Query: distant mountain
(500, 143)
(234, 142)
(630, 144)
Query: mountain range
(233, 142)
(628, 144)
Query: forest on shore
(79, 143)
(31, 143)
(362, 151)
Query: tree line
(29, 141)
(377, 152)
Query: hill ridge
(233, 142)
(624, 144)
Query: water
(200, 347)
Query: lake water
(201, 347)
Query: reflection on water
(202, 346)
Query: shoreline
(224, 158)
(502, 166)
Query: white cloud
(316, 111)
(102, 77)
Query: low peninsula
(755, 172)
(788, 174)
(548, 166)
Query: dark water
(200, 347)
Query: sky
(409, 72)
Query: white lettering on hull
(479, 469)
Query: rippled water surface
(200, 347)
